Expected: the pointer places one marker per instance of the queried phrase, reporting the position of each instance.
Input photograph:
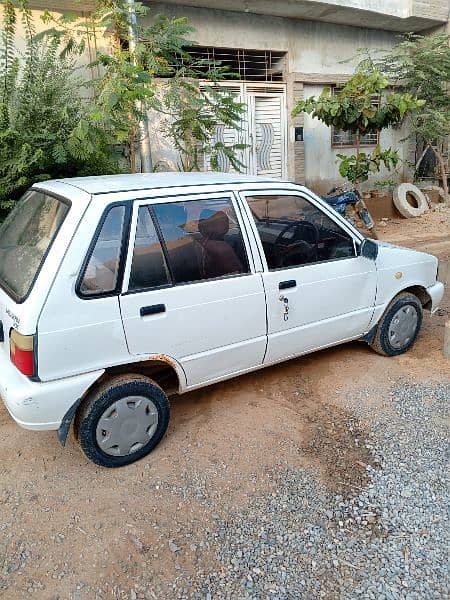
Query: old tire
(399, 326)
(401, 201)
(122, 421)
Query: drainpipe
(144, 135)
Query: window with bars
(347, 139)
(245, 65)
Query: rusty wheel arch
(159, 367)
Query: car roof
(106, 184)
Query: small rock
(173, 547)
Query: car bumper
(436, 293)
(40, 406)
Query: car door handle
(284, 285)
(154, 309)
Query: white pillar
(145, 152)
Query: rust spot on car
(162, 358)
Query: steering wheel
(306, 251)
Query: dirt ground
(69, 529)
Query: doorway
(263, 130)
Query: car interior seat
(219, 257)
(185, 252)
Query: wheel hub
(403, 326)
(127, 426)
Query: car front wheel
(122, 421)
(399, 326)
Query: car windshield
(25, 238)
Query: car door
(319, 290)
(190, 290)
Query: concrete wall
(321, 167)
(312, 47)
(318, 54)
(438, 9)
(98, 42)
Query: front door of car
(319, 291)
(190, 290)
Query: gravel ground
(390, 541)
(385, 536)
(322, 477)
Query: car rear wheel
(399, 326)
(122, 421)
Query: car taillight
(21, 349)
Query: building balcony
(388, 15)
(398, 15)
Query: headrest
(213, 224)
(171, 214)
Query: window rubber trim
(162, 243)
(184, 283)
(127, 204)
(18, 299)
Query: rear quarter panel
(24, 316)
(79, 335)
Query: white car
(117, 291)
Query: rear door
(191, 292)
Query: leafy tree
(193, 112)
(39, 109)
(420, 65)
(150, 69)
(48, 131)
(362, 106)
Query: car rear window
(25, 239)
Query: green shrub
(40, 108)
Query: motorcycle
(340, 200)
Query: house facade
(285, 50)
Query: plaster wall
(321, 163)
(317, 53)
(98, 43)
(312, 47)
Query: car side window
(101, 273)
(148, 268)
(294, 232)
(202, 239)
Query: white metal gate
(263, 130)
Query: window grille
(347, 139)
(247, 65)
(343, 139)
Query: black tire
(110, 392)
(381, 342)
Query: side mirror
(369, 249)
